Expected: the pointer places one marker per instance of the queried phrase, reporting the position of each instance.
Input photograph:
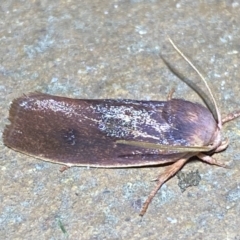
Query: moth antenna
(219, 120)
(163, 147)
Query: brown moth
(112, 133)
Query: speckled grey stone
(110, 49)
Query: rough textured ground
(110, 49)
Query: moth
(112, 133)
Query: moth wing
(78, 132)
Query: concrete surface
(110, 49)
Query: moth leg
(210, 160)
(231, 116)
(168, 173)
(63, 168)
(223, 146)
(170, 94)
